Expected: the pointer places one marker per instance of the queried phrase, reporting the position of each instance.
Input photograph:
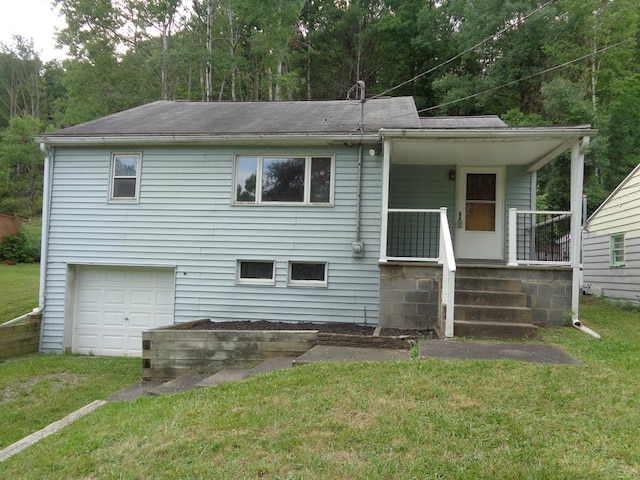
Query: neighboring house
(10, 224)
(611, 244)
(318, 211)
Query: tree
(21, 164)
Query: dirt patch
(54, 381)
(336, 328)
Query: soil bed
(336, 328)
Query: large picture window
(263, 179)
(125, 177)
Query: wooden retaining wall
(20, 338)
(170, 352)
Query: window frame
(113, 178)
(617, 254)
(258, 201)
(240, 280)
(307, 283)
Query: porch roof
(533, 147)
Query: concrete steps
(492, 308)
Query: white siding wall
(620, 214)
(185, 219)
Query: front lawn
(39, 389)
(19, 287)
(423, 419)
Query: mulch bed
(336, 328)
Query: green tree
(21, 164)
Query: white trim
(384, 211)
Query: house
(10, 224)
(314, 211)
(611, 239)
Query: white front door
(114, 305)
(480, 213)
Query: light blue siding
(185, 219)
(518, 195)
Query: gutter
(207, 139)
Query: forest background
(563, 62)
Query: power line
(455, 57)
(513, 82)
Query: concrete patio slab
(525, 352)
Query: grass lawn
(19, 287)
(39, 389)
(423, 419)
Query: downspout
(357, 246)
(44, 240)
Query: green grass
(19, 287)
(39, 389)
(424, 419)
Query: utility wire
(455, 57)
(512, 82)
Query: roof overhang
(207, 139)
(532, 147)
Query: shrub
(18, 248)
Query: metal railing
(423, 235)
(539, 237)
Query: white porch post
(577, 180)
(386, 165)
(513, 238)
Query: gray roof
(268, 118)
(481, 121)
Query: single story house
(299, 211)
(611, 239)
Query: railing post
(513, 237)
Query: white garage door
(113, 305)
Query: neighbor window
(262, 179)
(617, 250)
(125, 176)
(256, 271)
(308, 273)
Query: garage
(114, 305)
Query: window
(308, 273)
(305, 180)
(617, 250)
(260, 272)
(125, 176)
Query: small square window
(125, 177)
(308, 273)
(617, 250)
(260, 272)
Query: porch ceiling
(534, 147)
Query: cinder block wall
(409, 293)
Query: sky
(32, 19)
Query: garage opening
(112, 306)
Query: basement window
(256, 272)
(617, 250)
(308, 274)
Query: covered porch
(462, 202)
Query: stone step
(272, 364)
(488, 284)
(491, 298)
(484, 313)
(489, 329)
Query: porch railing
(539, 237)
(423, 235)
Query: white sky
(32, 19)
